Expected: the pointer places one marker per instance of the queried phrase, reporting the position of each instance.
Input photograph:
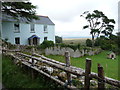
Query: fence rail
(67, 68)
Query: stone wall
(76, 53)
(58, 51)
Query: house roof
(110, 52)
(43, 19)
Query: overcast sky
(66, 14)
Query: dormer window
(45, 29)
(32, 28)
(16, 28)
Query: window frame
(16, 27)
(32, 28)
(17, 42)
(45, 29)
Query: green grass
(15, 77)
(110, 66)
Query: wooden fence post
(18, 47)
(67, 59)
(33, 51)
(101, 84)
(87, 73)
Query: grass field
(75, 41)
(110, 66)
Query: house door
(35, 41)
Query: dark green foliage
(22, 9)
(77, 83)
(110, 43)
(46, 44)
(58, 39)
(89, 43)
(84, 27)
(72, 46)
(14, 77)
(29, 47)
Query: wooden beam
(66, 69)
(51, 77)
(92, 75)
(106, 80)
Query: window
(45, 29)
(17, 40)
(45, 38)
(32, 27)
(17, 27)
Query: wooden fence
(70, 70)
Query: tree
(58, 39)
(89, 43)
(98, 23)
(19, 9)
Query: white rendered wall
(25, 33)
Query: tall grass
(15, 77)
(110, 66)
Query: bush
(58, 39)
(108, 44)
(89, 43)
(29, 47)
(46, 44)
(73, 46)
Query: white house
(27, 33)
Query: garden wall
(56, 50)
(76, 53)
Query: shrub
(58, 39)
(46, 44)
(73, 46)
(89, 43)
(29, 47)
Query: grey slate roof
(43, 20)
